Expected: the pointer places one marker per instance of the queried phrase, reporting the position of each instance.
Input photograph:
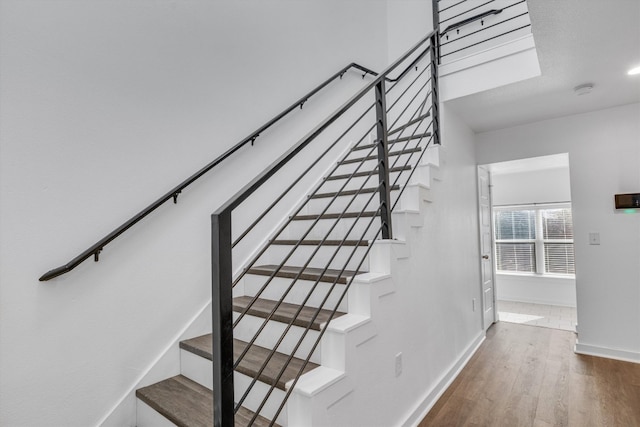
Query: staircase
(305, 282)
(304, 292)
(186, 399)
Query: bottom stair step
(188, 404)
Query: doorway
(531, 242)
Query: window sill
(536, 275)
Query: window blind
(522, 231)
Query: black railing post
(435, 105)
(383, 160)
(222, 321)
(435, 14)
(435, 62)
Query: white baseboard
(432, 396)
(609, 353)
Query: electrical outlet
(594, 238)
(398, 364)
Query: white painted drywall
(442, 303)
(501, 65)
(407, 22)
(106, 105)
(540, 186)
(553, 290)
(604, 154)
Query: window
(557, 227)
(534, 239)
(515, 240)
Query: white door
(486, 248)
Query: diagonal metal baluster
(290, 324)
(296, 246)
(317, 312)
(331, 315)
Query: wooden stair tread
(393, 141)
(189, 404)
(318, 242)
(404, 126)
(365, 173)
(253, 360)
(285, 312)
(373, 157)
(309, 273)
(335, 215)
(350, 192)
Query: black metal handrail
(222, 242)
(96, 248)
(470, 20)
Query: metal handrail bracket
(470, 20)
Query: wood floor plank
(553, 403)
(529, 376)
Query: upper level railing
(473, 26)
(467, 21)
(409, 124)
(95, 249)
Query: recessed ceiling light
(583, 89)
(634, 71)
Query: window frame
(538, 242)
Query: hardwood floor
(529, 376)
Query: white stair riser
(249, 325)
(423, 174)
(300, 290)
(200, 370)
(146, 416)
(365, 226)
(257, 395)
(412, 197)
(304, 255)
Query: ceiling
(578, 41)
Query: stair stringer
(320, 396)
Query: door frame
(491, 246)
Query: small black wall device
(626, 201)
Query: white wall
(604, 154)
(540, 186)
(407, 22)
(105, 105)
(553, 290)
(527, 187)
(434, 325)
